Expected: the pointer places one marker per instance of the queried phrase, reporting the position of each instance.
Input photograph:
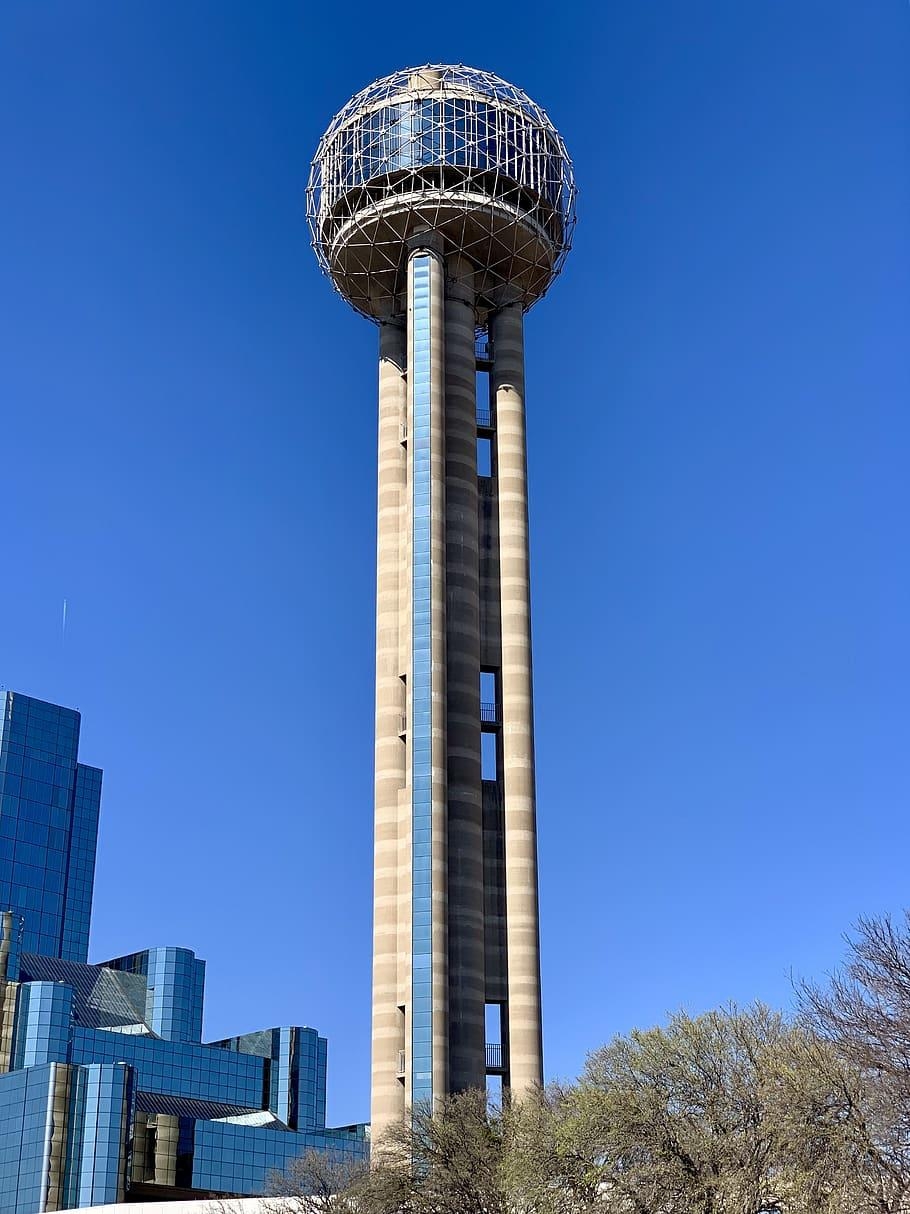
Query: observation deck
(450, 150)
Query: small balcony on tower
(494, 1059)
(489, 698)
(483, 359)
(495, 1053)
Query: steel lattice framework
(447, 149)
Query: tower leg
(387, 1103)
(525, 1050)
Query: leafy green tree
(678, 1119)
(737, 1111)
(548, 1162)
(823, 1144)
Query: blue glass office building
(107, 1092)
(48, 826)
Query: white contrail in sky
(64, 621)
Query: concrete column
(390, 759)
(525, 1051)
(465, 812)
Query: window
(484, 457)
(493, 1015)
(489, 769)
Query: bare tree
(445, 1161)
(317, 1182)
(862, 1015)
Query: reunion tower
(442, 202)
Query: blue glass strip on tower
(421, 694)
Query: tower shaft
(455, 899)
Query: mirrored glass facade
(49, 806)
(175, 982)
(107, 1091)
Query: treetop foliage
(737, 1111)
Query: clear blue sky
(718, 399)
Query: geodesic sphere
(450, 150)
